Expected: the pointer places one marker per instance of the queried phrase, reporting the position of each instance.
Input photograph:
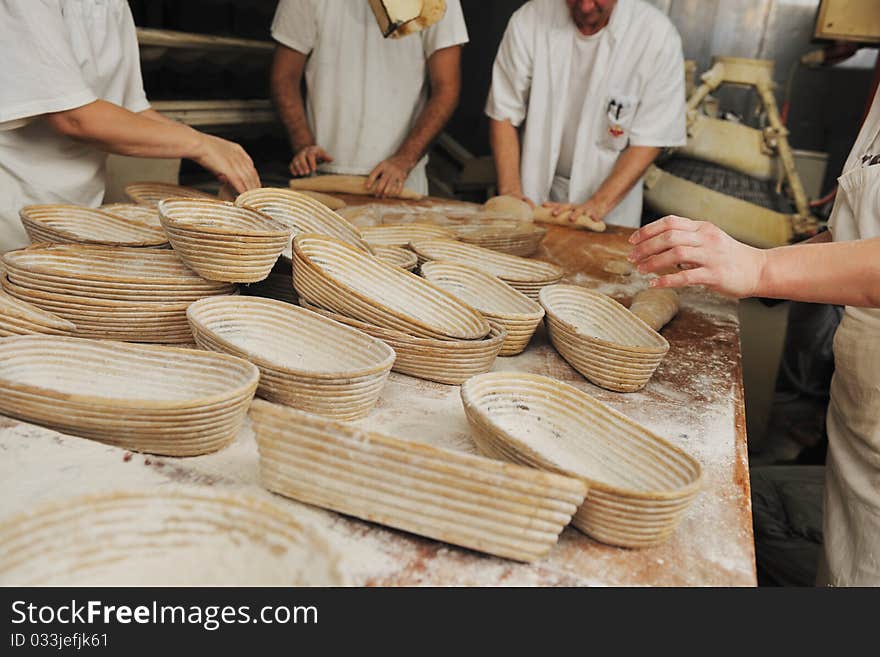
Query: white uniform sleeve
(135, 99)
(512, 73)
(660, 118)
(39, 73)
(296, 25)
(450, 30)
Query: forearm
(842, 273)
(430, 121)
(287, 96)
(114, 129)
(504, 139)
(158, 116)
(627, 171)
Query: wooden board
(695, 400)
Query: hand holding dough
(655, 307)
(545, 215)
(343, 185)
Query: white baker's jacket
(58, 55)
(635, 95)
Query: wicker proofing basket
(73, 224)
(498, 302)
(525, 275)
(639, 484)
(21, 318)
(150, 193)
(444, 361)
(221, 241)
(302, 214)
(306, 361)
(403, 258)
(459, 498)
(161, 400)
(177, 536)
(403, 234)
(601, 339)
(336, 276)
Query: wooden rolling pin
(545, 215)
(655, 307)
(333, 184)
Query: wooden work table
(695, 400)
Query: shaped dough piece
(330, 201)
(545, 215)
(335, 184)
(655, 307)
(509, 206)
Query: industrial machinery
(741, 178)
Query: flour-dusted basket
(167, 536)
(150, 193)
(145, 214)
(639, 485)
(338, 277)
(302, 214)
(306, 360)
(506, 236)
(498, 302)
(403, 234)
(403, 258)
(601, 339)
(161, 400)
(459, 498)
(116, 293)
(73, 224)
(221, 241)
(21, 318)
(445, 361)
(526, 276)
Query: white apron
(852, 474)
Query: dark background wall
(826, 104)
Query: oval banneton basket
(62, 223)
(403, 258)
(21, 318)
(336, 276)
(145, 398)
(525, 275)
(306, 361)
(115, 293)
(403, 234)
(221, 241)
(601, 339)
(444, 361)
(639, 484)
(302, 214)
(177, 536)
(145, 214)
(150, 193)
(507, 236)
(498, 302)
(463, 499)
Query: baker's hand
(704, 254)
(228, 161)
(588, 209)
(388, 178)
(307, 159)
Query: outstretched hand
(702, 254)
